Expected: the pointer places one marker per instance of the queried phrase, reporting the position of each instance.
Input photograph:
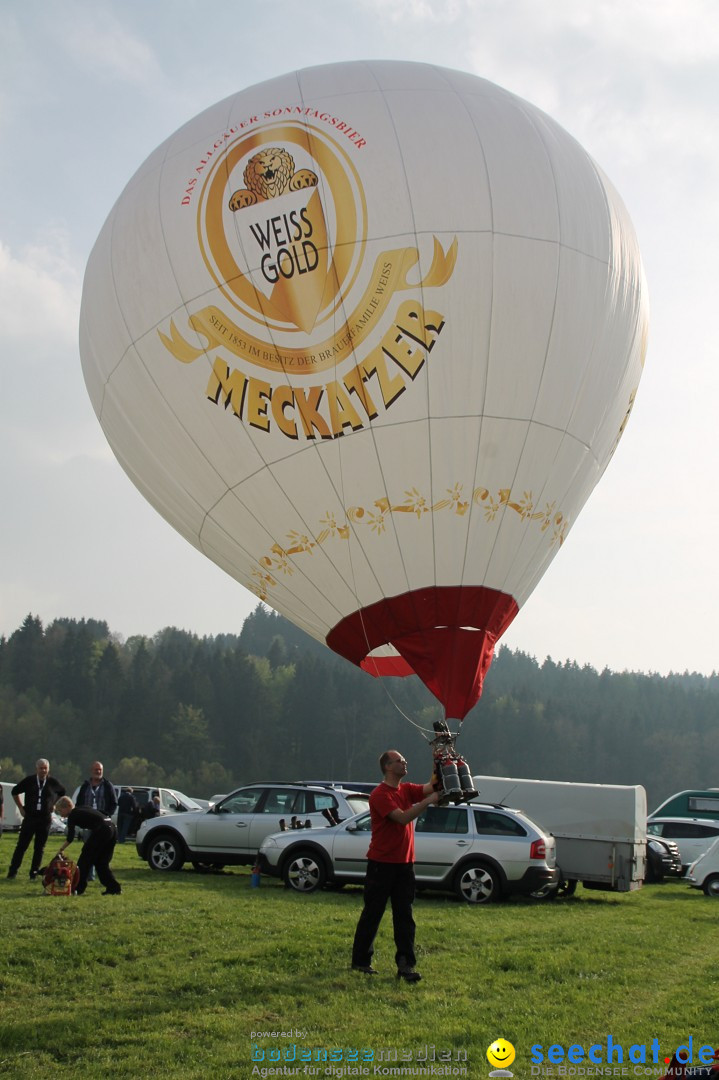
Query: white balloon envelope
(367, 335)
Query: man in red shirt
(390, 866)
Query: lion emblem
(268, 174)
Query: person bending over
(99, 847)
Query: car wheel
(567, 888)
(711, 886)
(476, 883)
(654, 870)
(165, 852)
(304, 872)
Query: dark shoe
(33, 874)
(406, 971)
(408, 974)
(111, 892)
(12, 873)
(366, 969)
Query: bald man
(394, 806)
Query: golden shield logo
(281, 248)
(282, 226)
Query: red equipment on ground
(60, 876)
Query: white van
(171, 801)
(693, 836)
(704, 873)
(11, 819)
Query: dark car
(663, 860)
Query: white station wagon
(478, 851)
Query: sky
(89, 89)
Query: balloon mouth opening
(444, 634)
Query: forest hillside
(204, 714)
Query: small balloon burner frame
(453, 775)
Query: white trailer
(600, 829)
(11, 815)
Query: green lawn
(172, 978)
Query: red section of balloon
(445, 635)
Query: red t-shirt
(392, 842)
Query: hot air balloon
(367, 335)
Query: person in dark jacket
(127, 809)
(151, 808)
(97, 791)
(39, 793)
(99, 847)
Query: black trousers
(37, 828)
(124, 821)
(97, 851)
(383, 882)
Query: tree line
(206, 714)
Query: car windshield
(186, 801)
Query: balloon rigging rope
(425, 732)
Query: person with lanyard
(99, 847)
(39, 792)
(98, 793)
(390, 866)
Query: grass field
(176, 978)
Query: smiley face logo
(500, 1054)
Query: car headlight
(268, 843)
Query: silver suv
(231, 831)
(479, 851)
